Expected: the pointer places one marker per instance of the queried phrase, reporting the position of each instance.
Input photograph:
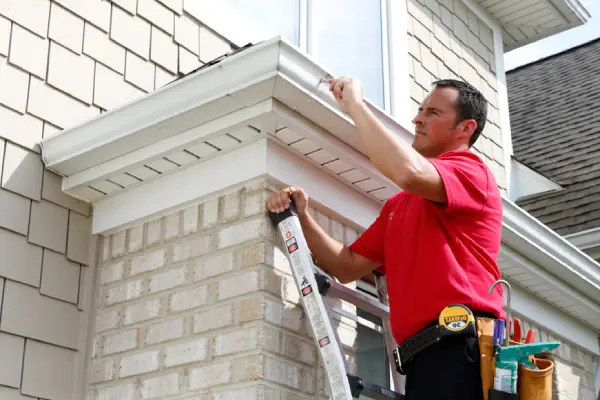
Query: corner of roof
(551, 56)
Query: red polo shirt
(435, 255)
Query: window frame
(238, 29)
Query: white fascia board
(526, 305)
(262, 158)
(543, 246)
(585, 239)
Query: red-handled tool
(530, 336)
(517, 331)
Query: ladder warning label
(292, 245)
(324, 341)
(307, 290)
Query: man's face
(436, 130)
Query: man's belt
(454, 320)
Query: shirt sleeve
(466, 181)
(371, 243)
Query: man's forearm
(396, 160)
(331, 255)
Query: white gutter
(585, 239)
(546, 248)
(578, 10)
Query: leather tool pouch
(485, 332)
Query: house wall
(62, 62)
(447, 40)
(201, 303)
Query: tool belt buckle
(453, 320)
(398, 362)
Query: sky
(559, 42)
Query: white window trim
(237, 28)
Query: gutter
(546, 248)
(579, 10)
(585, 239)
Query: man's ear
(468, 127)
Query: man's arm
(399, 162)
(332, 256)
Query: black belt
(425, 338)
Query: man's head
(451, 117)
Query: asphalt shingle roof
(555, 121)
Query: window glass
(275, 17)
(348, 41)
(371, 353)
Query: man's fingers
(284, 200)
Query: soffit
(527, 21)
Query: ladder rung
(361, 300)
(358, 387)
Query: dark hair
(471, 104)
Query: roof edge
(585, 239)
(550, 56)
(545, 247)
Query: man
(437, 241)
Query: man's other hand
(347, 91)
(280, 200)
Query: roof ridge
(554, 55)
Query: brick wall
(202, 303)
(574, 367)
(62, 62)
(447, 40)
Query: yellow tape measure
(456, 318)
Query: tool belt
(454, 320)
(459, 320)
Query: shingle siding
(447, 40)
(61, 63)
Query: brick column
(200, 304)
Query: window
(372, 359)
(347, 37)
(277, 17)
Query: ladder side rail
(317, 312)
